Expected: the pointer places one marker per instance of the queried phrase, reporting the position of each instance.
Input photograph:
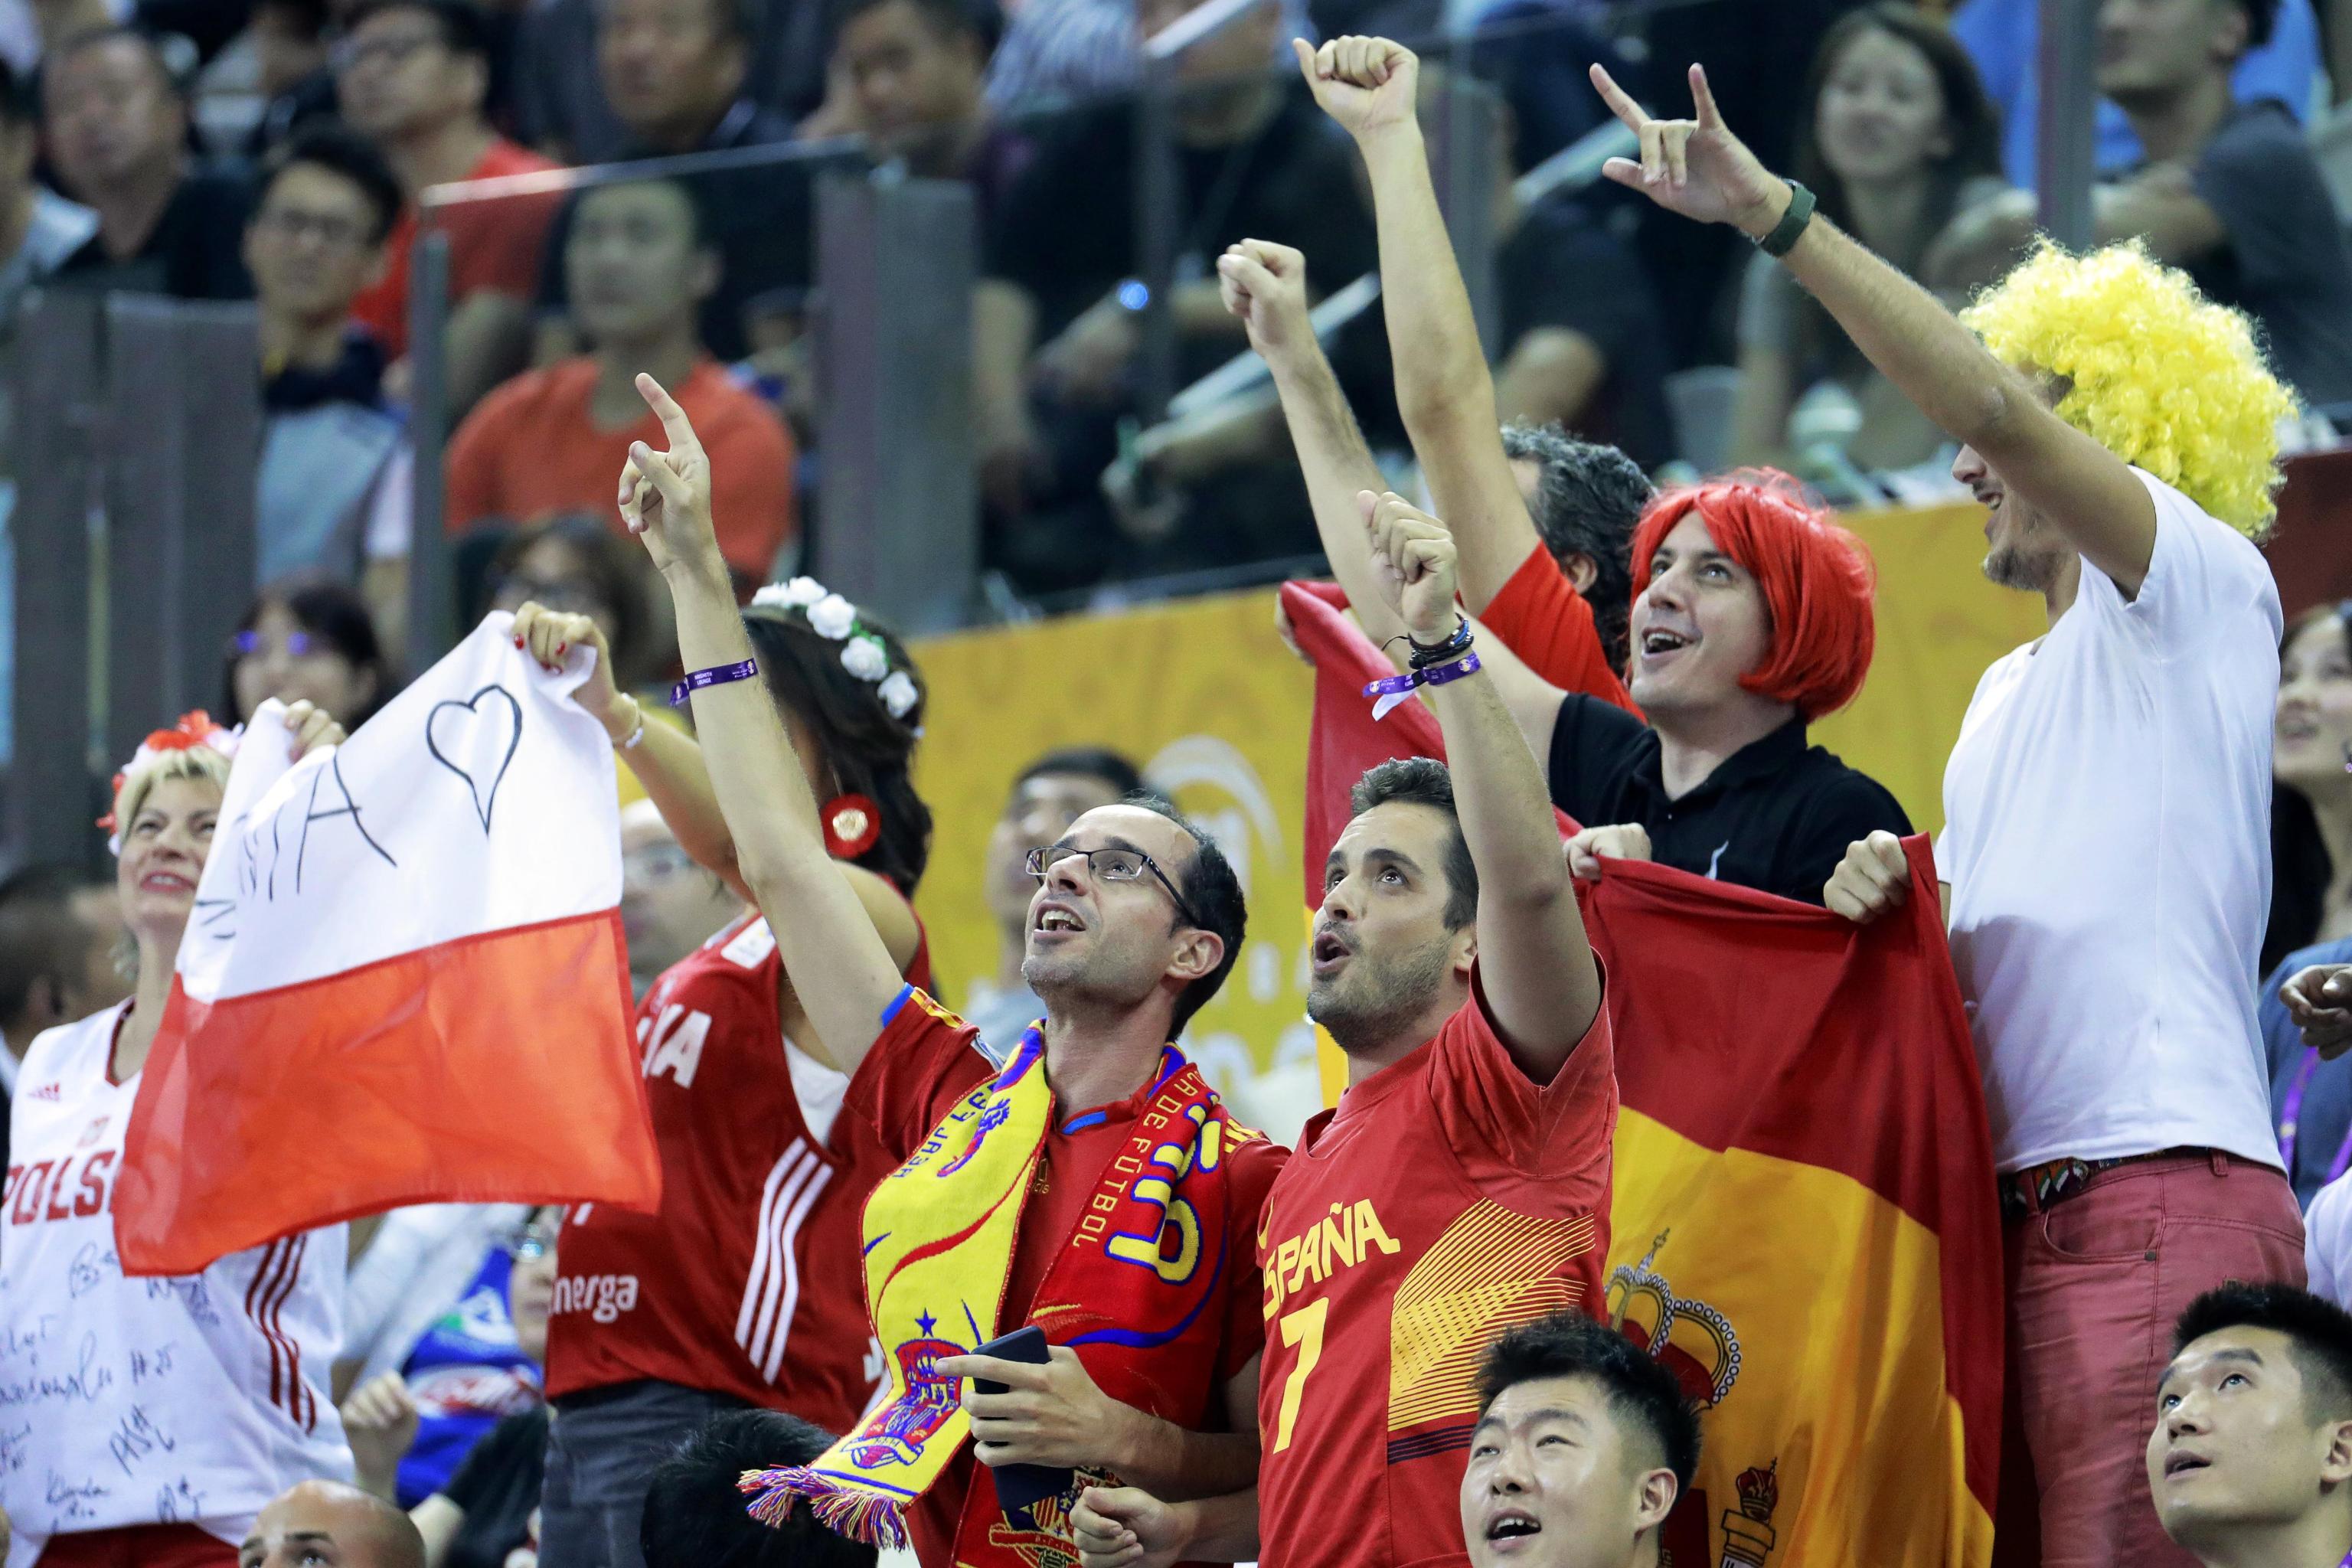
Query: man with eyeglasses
(1462, 1183)
(336, 463)
(413, 76)
(1036, 1180)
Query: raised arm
(1700, 169)
(841, 969)
(1444, 387)
(1534, 958)
(1265, 285)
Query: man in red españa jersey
(1462, 1185)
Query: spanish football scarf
(1128, 1290)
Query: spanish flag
(1804, 1226)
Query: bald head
(329, 1522)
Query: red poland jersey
(747, 1282)
(1446, 1199)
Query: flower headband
(195, 729)
(834, 618)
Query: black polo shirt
(1778, 814)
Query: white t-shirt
(2108, 842)
(2327, 1242)
(190, 1400)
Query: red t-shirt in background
(1542, 619)
(919, 1069)
(494, 244)
(531, 452)
(1448, 1198)
(747, 1281)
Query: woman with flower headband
(150, 1419)
(744, 1290)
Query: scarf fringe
(858, 1514)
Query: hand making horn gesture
(1695, 167)
(664, 496)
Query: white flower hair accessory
(832, 617)
(797, 595)
(898, 694)
(866, 657)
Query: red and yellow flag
(1804, 1226)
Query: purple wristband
(1393, 689)
(719, 675)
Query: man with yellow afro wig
(2106, 841)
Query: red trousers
(2095, 1283)
(138, 1546)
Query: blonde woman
(154, 1418)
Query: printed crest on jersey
(1040, 1535)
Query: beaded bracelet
(718, 675)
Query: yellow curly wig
(2161, 376)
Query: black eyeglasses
(1112, 866)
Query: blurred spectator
(336, 465)
(327, 1522)
(473, 1473)
(639, 262)
(578, 566)
(39, 230)
(2311, 1098)
(2231, 193)
(669, 905)
(914, 69)
(2311, 797)
(2005, 38)
(59, 927)
(1050, 794)
(695, 1515)
(1898, 139)
(308, 642)
(1057, 49)
(2252, 1450)
(675, 72)
(414, 77)
(1253, 159)
(568, 105)
(116, 121)
(291, 73)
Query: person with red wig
(1751, 618)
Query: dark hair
(983, 23)
(2302, 870)
(694, 1517)
(311, 15)
(328, 145)
(1122, 777)
(2320, 1330)
(2262, 17)
(702, 224)
(1424, 781)
(1570, 1344)
(1214, 891)
(1588, 498)
(465, 29)
(15, 97)
(868, 750)
(1969, 118)
(615, 571)
(40, 938)
(323, 608)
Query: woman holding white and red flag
(147, 1420)
(744, 1288)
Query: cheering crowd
(1021, 1289)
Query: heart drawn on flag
(484, 734)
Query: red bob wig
(1817, 581)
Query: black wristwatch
(1792, 222)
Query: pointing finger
(1710, 118)
(674, 422)
(1305, 54)
(1627, 111)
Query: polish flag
(404, 980)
